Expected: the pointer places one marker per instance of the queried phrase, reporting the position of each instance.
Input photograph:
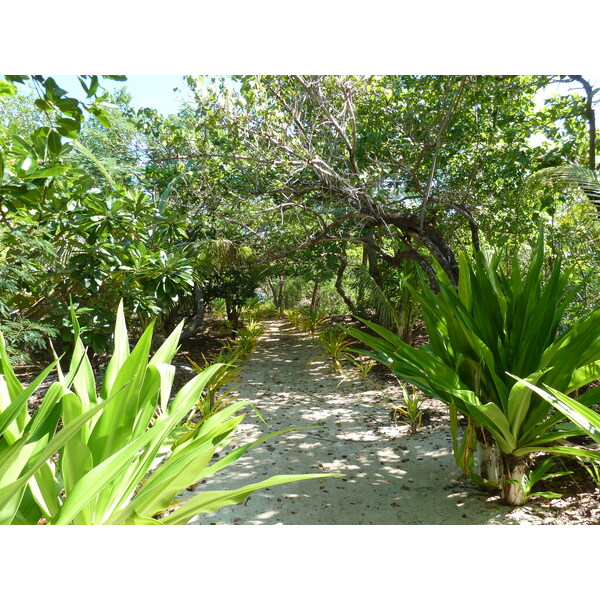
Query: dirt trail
(389, 476)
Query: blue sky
(157, 91)
(152, 91)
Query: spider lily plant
(409, 410)
(308, 320)
(336, 345)
(122, 455)
(490, 340)
(210, 401)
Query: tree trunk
(339, 282)
(315, 298)
(372, 260)
(513, 469)
(280, 288)
(277, 292)
(590, 115)
(198, 321)
(233, 315)
(361, 288)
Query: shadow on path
(389, 476)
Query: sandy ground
(388, 476)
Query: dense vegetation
(376, 196)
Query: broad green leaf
(465, 292)
(120, 354)
(44, 489)
(14, 489)
(47, 172)
(579, 414)
(116, 424)
(14, 386)
(209, 502)
(106, 473)
(95, 481)
(168, 348)
(571, 452)
(492, 417)
(519, 400)
(7, 89)
(183, 468)
(20, 401)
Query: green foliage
(234, 287)
(539, 473)
(336, 344)
(255, 310)
(86, 244)
(492, 327)
(409, 410)
(230, 357)
(154, 207)
(211, 402)
(123, 455)
(363, 366)
(392, 305)
(306, 319)
(17, 270)
(576, 410)
(247, 338)
(593, 469)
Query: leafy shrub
(306, 319)
(491, 341)
(336, 344)
(409, 410)
(122, 454)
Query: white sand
(389, 476)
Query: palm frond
(587, 180)
(386, 311)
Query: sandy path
(389, 476)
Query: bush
(122, 454)
(491, 341)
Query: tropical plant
(232, 353)
(492, 328)
(246, 338)
(210, 401)
(336, 345)
(575, 409)
(390, 298)
(123, 455)
(363, 365)
(257, 310)
(294, 316)
(217, 307)
(409, 410)
(593, 469)
(540, 473)
(310, 320)
(585, 179)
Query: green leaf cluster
(121, 455)
(492, 339)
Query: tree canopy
(349, 182)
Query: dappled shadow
(387, 476)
